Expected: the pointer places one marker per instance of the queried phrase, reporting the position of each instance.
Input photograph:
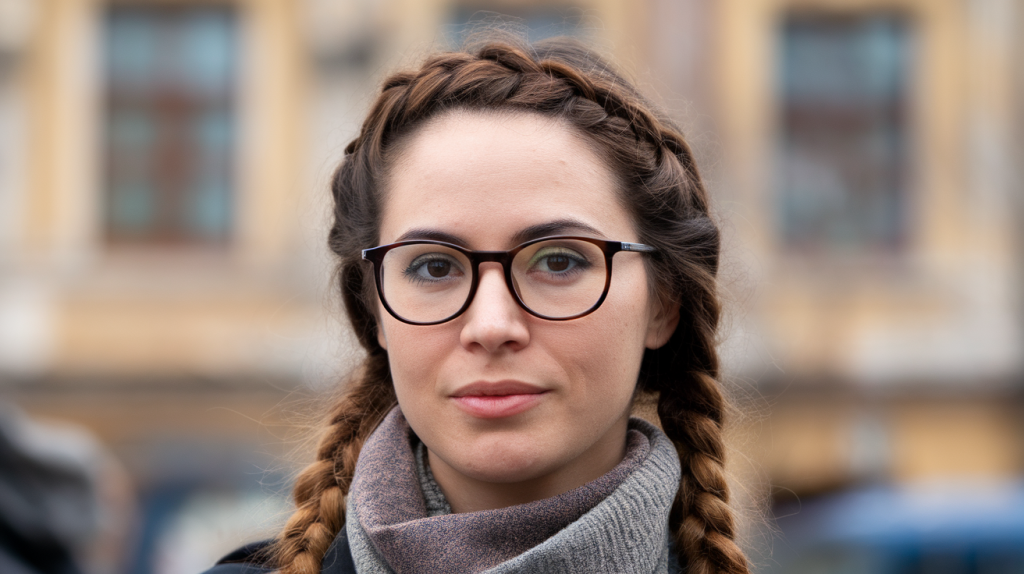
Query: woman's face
(485, 180)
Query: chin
(502, 461)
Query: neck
(468, 494)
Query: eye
(438, 268)
(433, 267)
(558, 261)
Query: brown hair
(663, 191)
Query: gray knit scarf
(616, 523)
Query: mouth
(487, 400)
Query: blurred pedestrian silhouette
(57, 508)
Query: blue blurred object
(935, 528)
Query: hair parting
(663, 191)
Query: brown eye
(558, 263)
(439, 268)
(434, 268)
(558, 260)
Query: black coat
(247, 559)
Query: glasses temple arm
(640, 247)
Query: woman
(477, 218)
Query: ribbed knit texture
(437, 504)
(617, 523)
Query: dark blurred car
(936, 528)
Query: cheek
(415, 353)
(622, 332)
(604, 352)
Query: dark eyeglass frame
(376, 255)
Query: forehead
(484, 176)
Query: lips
(492, 400)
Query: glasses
(423, 282)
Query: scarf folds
(616, 523)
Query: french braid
(662, 189)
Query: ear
(662, 323)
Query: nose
(494, 320)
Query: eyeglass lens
(558, 278)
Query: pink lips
(497, 400)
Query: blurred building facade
(873, 157)
(163, 207)
(161, 278)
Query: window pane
(842, 154)
(208, 208)
(204, 52)
(170, 126)
(131, 50)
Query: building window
(170, 123)
(842, 164)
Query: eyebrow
(432, 234)
(556, 227)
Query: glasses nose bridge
(503, 258)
